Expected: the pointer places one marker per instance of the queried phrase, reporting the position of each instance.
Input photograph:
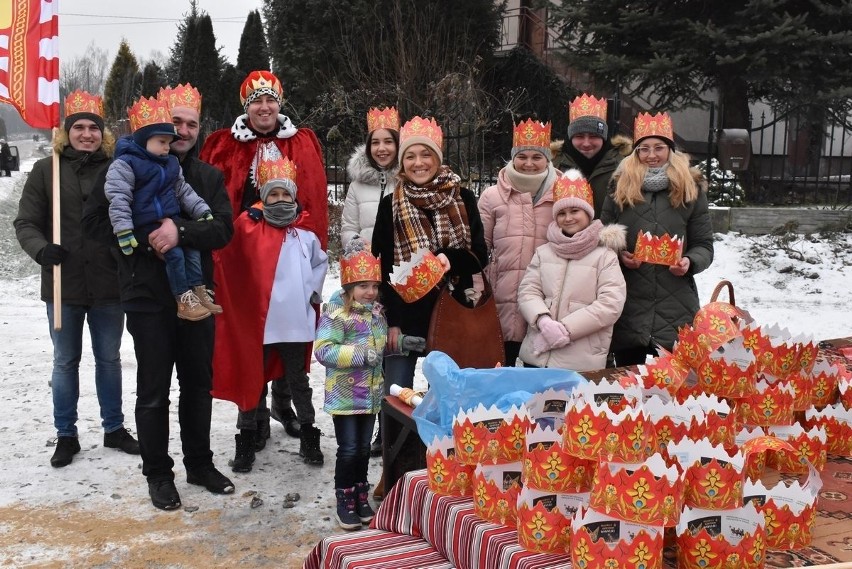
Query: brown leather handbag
(470, 335)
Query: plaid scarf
(412, 227)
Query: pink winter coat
(587, 295)
(514, 227)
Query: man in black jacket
(161, 340)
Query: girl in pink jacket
(573, 290)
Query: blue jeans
(106, 325)
(183, 269)
(400, 370)
(353, 433)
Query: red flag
(29, 59)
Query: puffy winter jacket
(367, 188)
(658, 302)
(586, 295)
(513, 227)
(352, 386)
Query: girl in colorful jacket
(350, 341)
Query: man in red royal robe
(262, 130)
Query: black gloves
(52, 254)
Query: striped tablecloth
(428, 524)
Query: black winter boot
(66, 448)
(261, 435)
(244, 457)
(362, 503)
(287, 417)
(347, 518)
(309, 446)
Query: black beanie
(71, 119)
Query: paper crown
(544, 520)
(731, 373)
(712, 539)
(549, 467)
(181, 96)
(594, 431)
(84, 102)
(147, 111)
(713, 478)
(277, 168)
(587, 106)
(659, 125)
(565, 187)
(648, 492)
(599, 541)
(490, 435)
(446, 475)
(659, 250)
(387, 118)
(665, 372)
(413, 279)
(531, 133)
(825, 378)
(259, 83)
(495, 492)
(769, 405)
(837, 422)
(421, 129)
(357, 264)
(810, 448)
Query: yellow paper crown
(83, 102)
(382, 118)
(587, 106)
(147, 111)
(358, 265)
(531, 133)
(659, 125)
(181, 96)
(565, 187)
(419, 127)
(275, 169)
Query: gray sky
(147, 25)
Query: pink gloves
(553, 335)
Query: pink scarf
(578, 245)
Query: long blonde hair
(631, 175)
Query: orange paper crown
(659, 125)
(279, 168)
(837, 422)
(666, 372)
(413, 279)
(549, 467)
(445, 474)
(598, 541)
(707, 540)
(593, 431)
(824, 382)
(181, 96)
(789, 511)
(147, 111)
(810, 448)
(83, 102)
(660, 250)
(382, 118)
(495, 492)
(565, 187)
(769, 405)
(713, 477)
(531, 133)
(489, 435)
(587, 106)
(357, 264)
(419, 127)
(542, 529)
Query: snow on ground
(800, 282)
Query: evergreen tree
(122, 86)
(206, 67)
(229, 96)
(789, 51)
(176, 52)
(153, 78)
(254, 51)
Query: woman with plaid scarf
(427, 209)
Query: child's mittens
(206, 216)
(372, 357)
(127, 241)
(552, 335)
(412, 343)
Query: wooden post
(57, 269)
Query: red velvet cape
(235, 158)
(244, 272)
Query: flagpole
(57, 269)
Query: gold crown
(275, 169)
(83, 102)
(659, 125)
(531, 133)
(587, 106)
(181, 96)
(419, 127)
(565, 187)
(147, 111)
(384, 118)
